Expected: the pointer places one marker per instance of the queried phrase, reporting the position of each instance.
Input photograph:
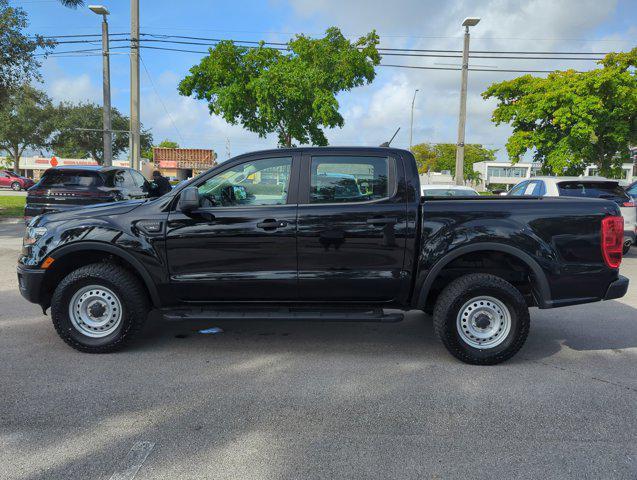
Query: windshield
(60, 178)
(608, 190)
(449, 192)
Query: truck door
(241, 243)
(351, 223)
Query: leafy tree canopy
(78, 133)
(290, 92)
(18, 65)
(437, 157)
(26, 121)
(571, 119)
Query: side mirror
(188, 199)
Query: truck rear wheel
(481, 319)
(99, 308)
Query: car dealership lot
(312, 400)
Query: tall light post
(462, 120)
(106, 85)
(135, 141)
(411, 128)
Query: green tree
(18, 64)
(148, 153)
(72, 3)
(78, 132)
(288, 92)
(572, 119)
(26, 121)
(442, 156)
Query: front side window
(258, 182)
(341, 179)
(518, 189)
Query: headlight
(33, 234)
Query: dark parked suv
(63, 188)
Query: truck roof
(323, 150)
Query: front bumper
(30, 282)
(617, 288)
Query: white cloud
(74, 89)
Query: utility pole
(107, 132)
(411, 128)
(462, 120)
(135, 147)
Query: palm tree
(72, 3)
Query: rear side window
(71, 178)
(119, 179)
(346, 179)
(607, 190)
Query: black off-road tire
(16, 187)
(130, 292)
(463, 289)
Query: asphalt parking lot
(301, 400)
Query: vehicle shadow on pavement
(594, 327)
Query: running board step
(203, 313)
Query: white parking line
(133, 461)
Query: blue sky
(373, 112)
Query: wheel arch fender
(125, 256)
(541, 283)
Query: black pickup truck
(321, 233)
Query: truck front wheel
(481, 319)
(98, 308)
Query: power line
(392, 53)
(471, 69)
(386, 65)
(160, 100)
(158, 38)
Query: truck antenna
(386, 144)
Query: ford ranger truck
(338, 234)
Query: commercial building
(34, 167)
(183, 163)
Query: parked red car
(14, 182)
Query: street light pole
(107, 133)
(411, 128)
(135, 147)
(462, 120)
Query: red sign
(54, 162)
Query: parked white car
(591, 187)
(447, 191)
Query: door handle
(271, 224)
(382, 220)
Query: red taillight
(628, 204)
(612, 240)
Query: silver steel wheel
(483, 322)
(95, 311)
